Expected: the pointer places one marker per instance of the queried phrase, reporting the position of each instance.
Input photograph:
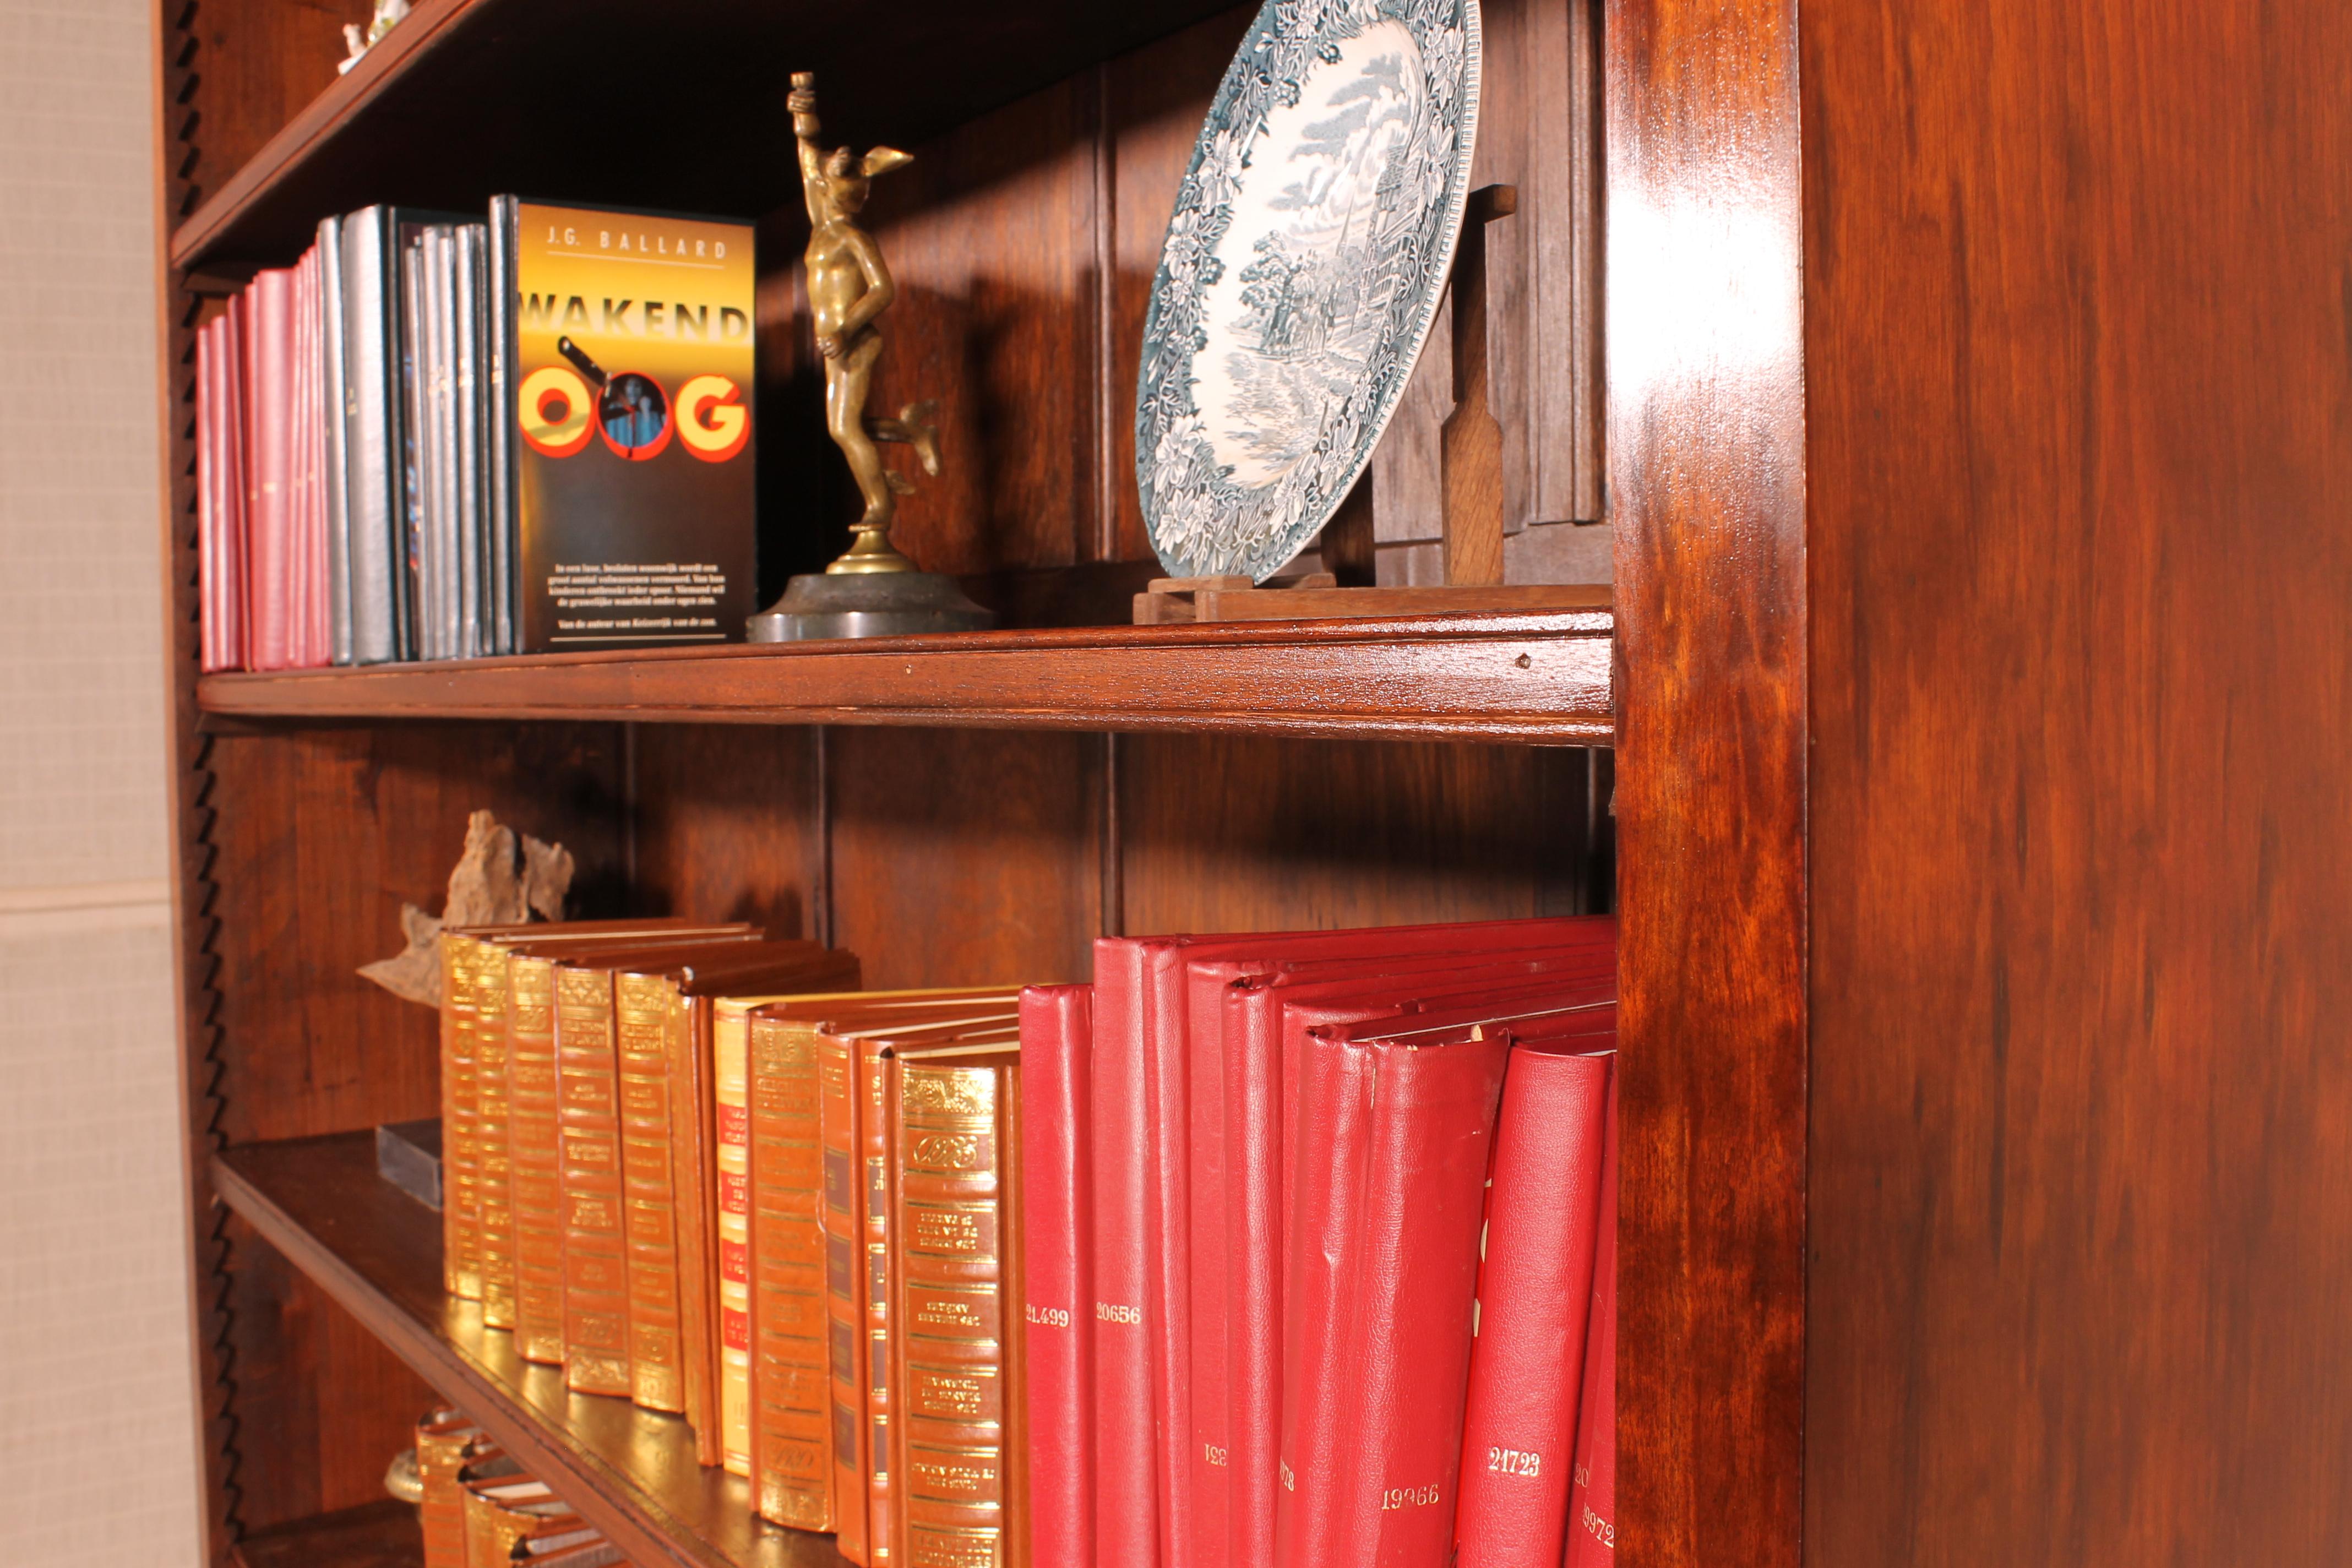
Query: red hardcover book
(1056, 1041)
(220, 487)
(1592, 1498)
(1160, 1430)
(1409, 1282)
(1256, 1198)
(1535, 1297)
(1335, 1100)
(1384, 1272)
(302, 365)
(315, 638)
(1126, 1492)
(269, 467)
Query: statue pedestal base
(819, 606)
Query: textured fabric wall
(96, 1440)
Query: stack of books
(409, 447)
(697, 1170)
(479, 1508)
(1262, 1327)
(1313, 1233)
(355, 502)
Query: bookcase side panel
(1707, 465)
(2082, 434)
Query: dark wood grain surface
(2081, 444)
(380, 1534)
(1706, 464)
(320, 836)
(600, 100)
(1537, 676)
(377, 1252)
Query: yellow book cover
(631, 339)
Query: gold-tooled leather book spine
(729, 1056)
(461, 1198)
(493, 1527)
(694, 1174)
(955, 1145)
(845, 1234)
(792, 1393)
(596, 1261)
(875, 1187)
(534, 1166)
(641, 1010)
(493, 1159)
(446, 1440)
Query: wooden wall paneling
(965, 857)
(327, 833)
(725, 823)
(1228, 834)
(2079, 325)
(1708, 484)
(1155, 100)
(321, 834)
(989, 235)
(257, 63)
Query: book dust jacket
(633, 377)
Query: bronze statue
(849, 288)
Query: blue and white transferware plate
(1303, 267)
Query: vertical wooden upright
(2079, 325)
(1707, 466)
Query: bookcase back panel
(319, 1405)
(1226, 834)
(256, 65)
(966, 857)
(322, 835)
(1024, 244)
(723, 824)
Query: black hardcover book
(629, 337)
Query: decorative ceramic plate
(1310, 243)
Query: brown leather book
(461, 1196)
(595, 1258)
(959, 1446)
(880, 1182)
(730, 1268)
(447, 1441)
(803, 1315)
(662, 1090)
(493, 1175)
(503, 1505)
(478, 1260)
(534, 1178)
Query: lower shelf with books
(377, 1253)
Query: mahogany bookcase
(1964, 754)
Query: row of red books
(1320, 1236)
(261, 475)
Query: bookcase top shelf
(1540, 677)
(377, 1252)
(678, 106)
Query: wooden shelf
(382, 1534)
(679, 107)
(377, 1252)
(1538, 677)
